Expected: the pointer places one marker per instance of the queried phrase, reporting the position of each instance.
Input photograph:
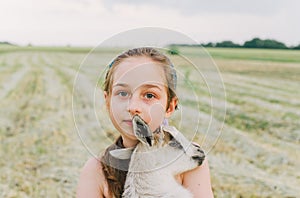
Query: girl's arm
(198, 181)
(92, 181)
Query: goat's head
(166, 146)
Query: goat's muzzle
(200, 155)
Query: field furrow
(41, 153)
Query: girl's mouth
(128, 122)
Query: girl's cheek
(117, 105)
(156, 113)
(156, 108)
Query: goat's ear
(170, 140)
(124, 153)
(167, 136)
(170, 131)
(141, 130)
(178, 136)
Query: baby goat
(157, 159)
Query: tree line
(253, 43)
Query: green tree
(227, 44)
(296, 47)
(210, 44)
(268, 43)
(173, 50)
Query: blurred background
(255, 45)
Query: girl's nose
(134, 106)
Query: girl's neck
(127, 143)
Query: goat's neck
(152, 158)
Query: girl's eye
(123, 94)
(149, 95)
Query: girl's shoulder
(92, 182)
(198, 180)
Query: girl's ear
(172, 107)
(106, 97)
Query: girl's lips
(128, 122)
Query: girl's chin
(129, 138)
(128, 133)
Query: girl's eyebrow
(121, 85)
(143, 85)
(151, 86)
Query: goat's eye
(175, 144)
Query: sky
(90, 22)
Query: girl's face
(139, 87)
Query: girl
(139, 81)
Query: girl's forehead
(139, 70)
(132, 62)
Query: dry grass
(41, 154)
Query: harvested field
(257, 154)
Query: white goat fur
(152, 169)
